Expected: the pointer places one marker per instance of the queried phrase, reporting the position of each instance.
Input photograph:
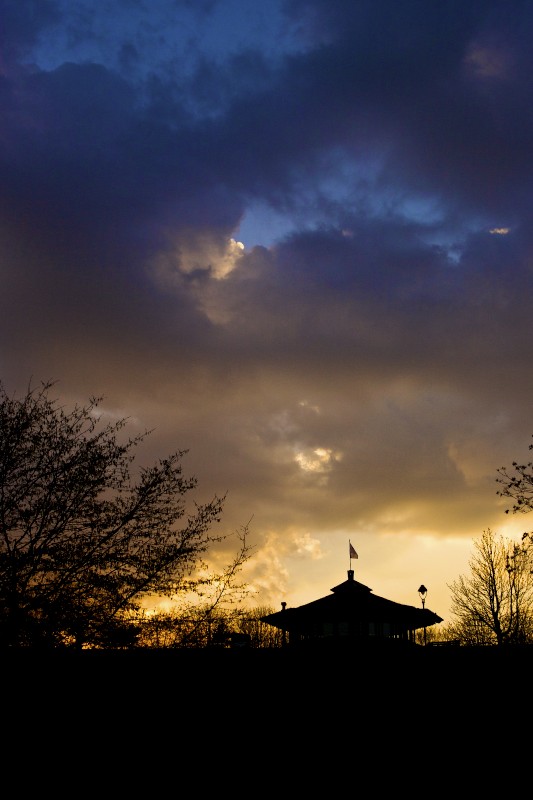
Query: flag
(353, 554)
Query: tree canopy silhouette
(493, 604)
(517, 484)
(82, 540)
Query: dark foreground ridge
(304, 693)
(282, 661)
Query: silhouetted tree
(432, 634)
(446, 634)
(262, 635)
(191, 627)
(517, 485)
(494, 605)
(203, 626)
(82, 542)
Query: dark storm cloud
(22, 23)
(401, 95)
(367, 369)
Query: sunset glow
(295, 244)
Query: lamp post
(422, 591)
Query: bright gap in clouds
(262, 226)
(347, 188)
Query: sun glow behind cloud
(317, 460)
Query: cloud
(362, 363)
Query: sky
(294, 239)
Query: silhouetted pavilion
(352, 614)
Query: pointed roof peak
(351, 584)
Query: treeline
(204, 628)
